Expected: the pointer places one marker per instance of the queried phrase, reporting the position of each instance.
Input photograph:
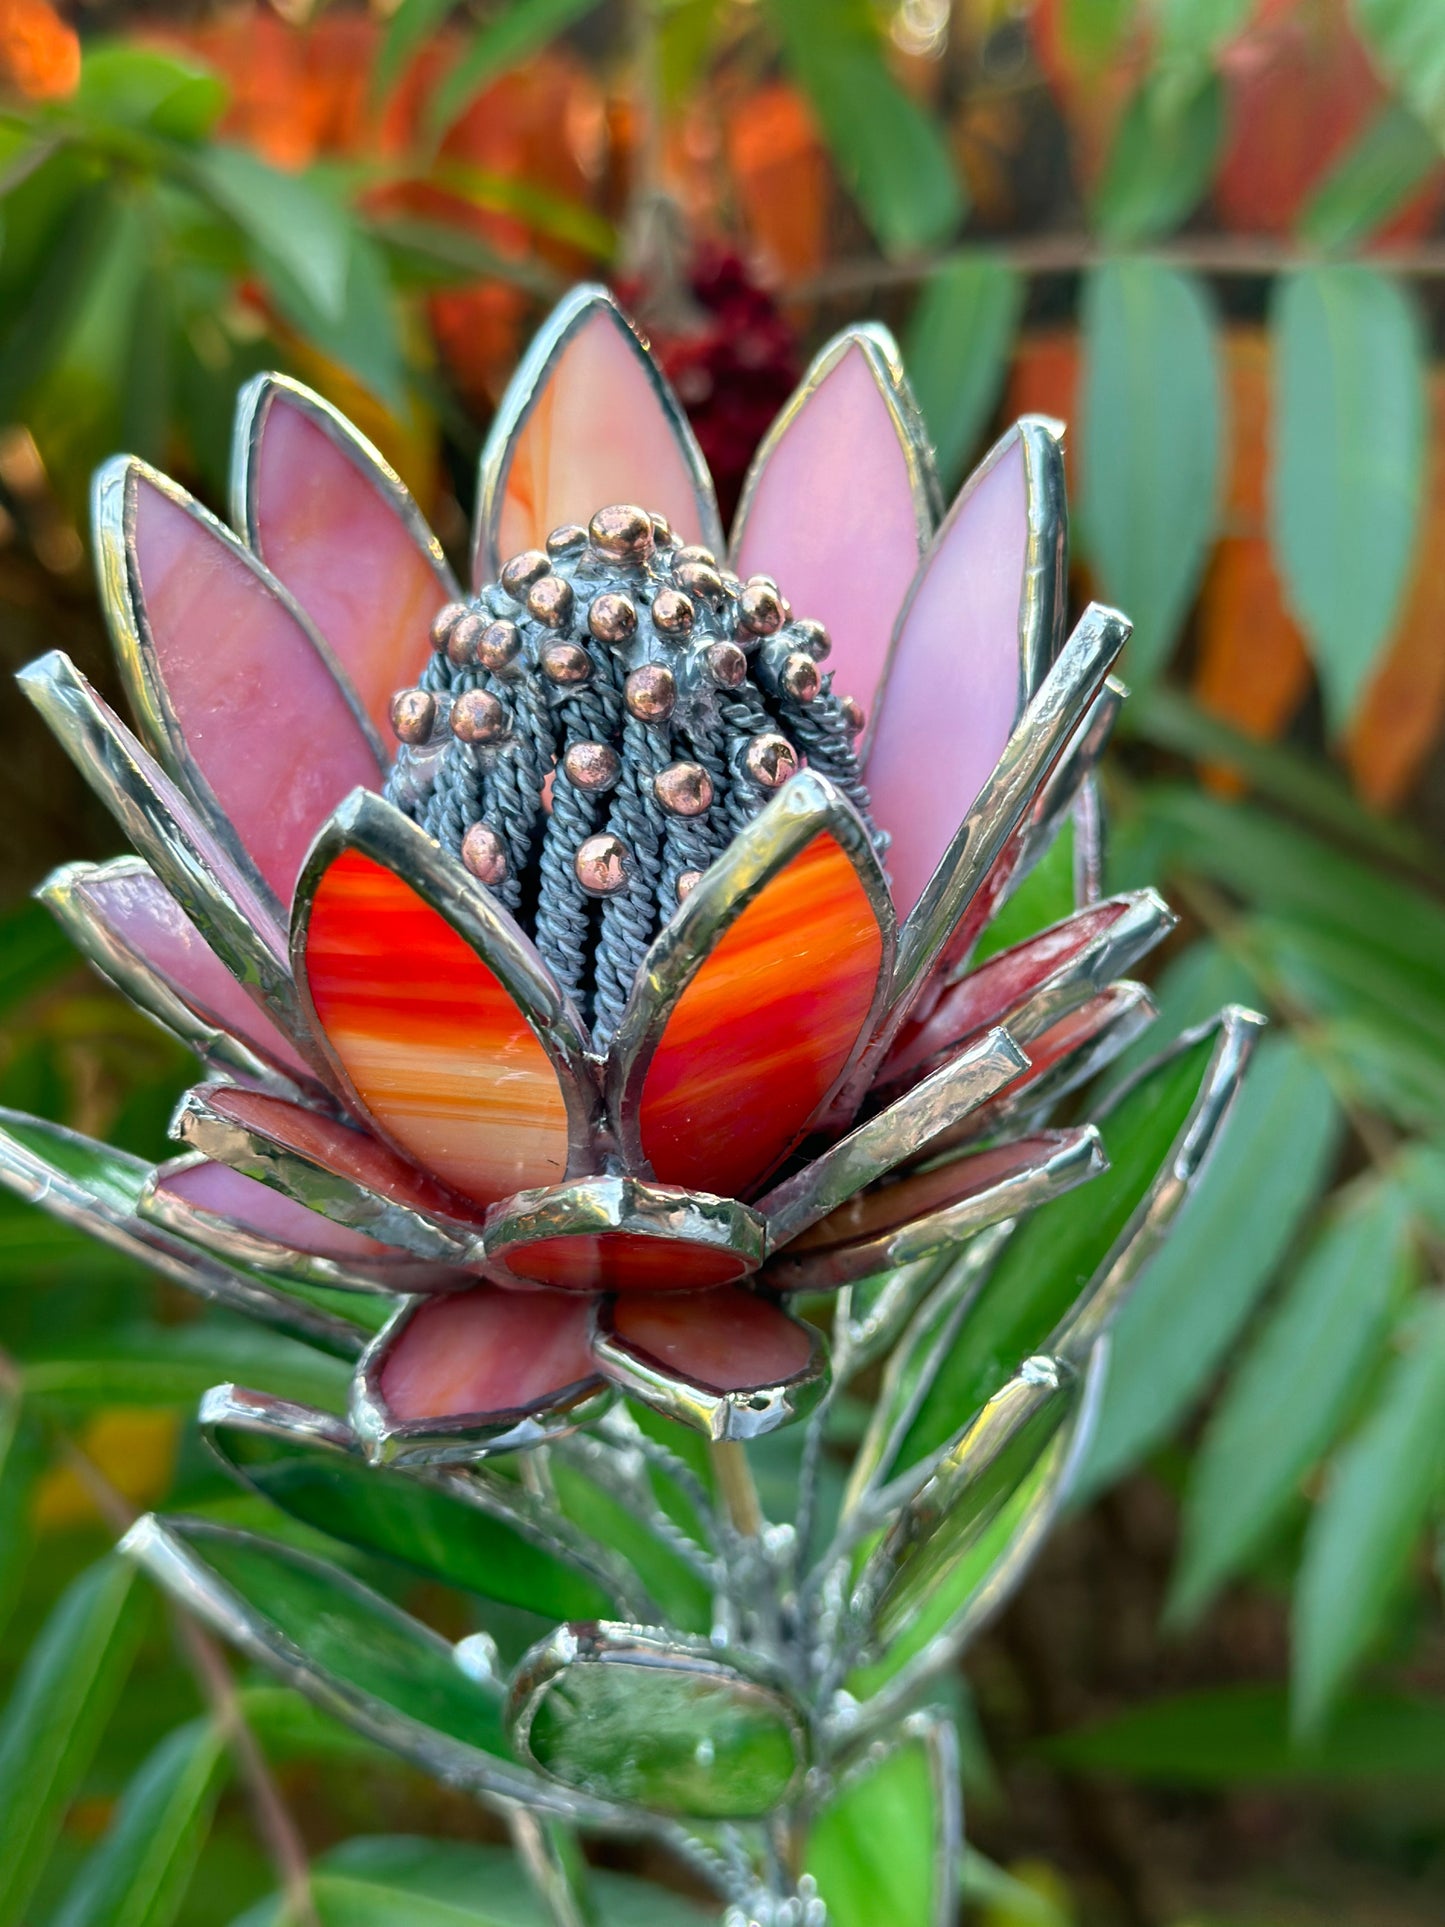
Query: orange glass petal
(622, 1261)
(432, 1043)
(596, 435)
(763, 1031)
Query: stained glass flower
(584, 957)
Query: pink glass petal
(834, 516)
(988, 995)
(342, 535)
(316, 1139)
(488, 1351)
(727, 1340)
(955, 684)
(139, 914)
(597, 433)
(428, 1037)
(216, 1191)
(262, 716)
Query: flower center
(595, 728)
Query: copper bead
(770, 760)
(443, 622)
(477, 717)
(760, 607)
(699, 579)
(485, 855)
(413, 712)
(623, 533)
(566, 662)
(550, 601)
(672, 612)
(523, 570)
(726, 664)
(695, 552)
(612, 618)
(662, 534)
(592, 766)
(461, 644)
(600, 865)
(497, 646)
(683, 789)
(813, 637)
(650, 693)
(853, 713)
(687, 882)
(800, 677)
(564, 541)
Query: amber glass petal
(235, 690)
(588, 420)
(416, 1001)
(751, 1002)
(334, 522)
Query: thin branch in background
(278, 1832)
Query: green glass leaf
(1377, 175)
(1348, 469)
(1162, 160)
(513, 34)
(890, 151)
(956, 350)
(885, 1846)
(56, 1714)
(1290, 1393)
(1240, 1736)
(176, 1364)
(1059, 1257)
(455, 1529)
(139, 1873)
(1382, 1487)
(628, 1714)
(354, 1653)
(1229, 1240)
(1405, 36)
(1043, 898)
(1150, 453)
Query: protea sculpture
(587, 982)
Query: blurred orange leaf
(39, 53)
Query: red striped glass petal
(336, 525)
(230, 682)
(432, 1044)
(762, 1032)
(725, 1341)
(487, 1352)
(837, 507)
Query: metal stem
(735, 1482)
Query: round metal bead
(462, 641)
(564, 541)
(566, 662)
(813, 637)
(650, 693)
(726, 664)
(683, 789)
(600, 865)
(800, 676)
(485, 855)
(733, 584)
(413, 712)
(477, 717)
(672, 612)
(662, 534)
(770, 761)
(854, 714)
(523, 570)
(498, 645)
(699, 579)
(687, 882)
(612, 618)
(760, 607)
(592, 766)
(623, 533)
(695, 552)
(443, 622)
(550, 601)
